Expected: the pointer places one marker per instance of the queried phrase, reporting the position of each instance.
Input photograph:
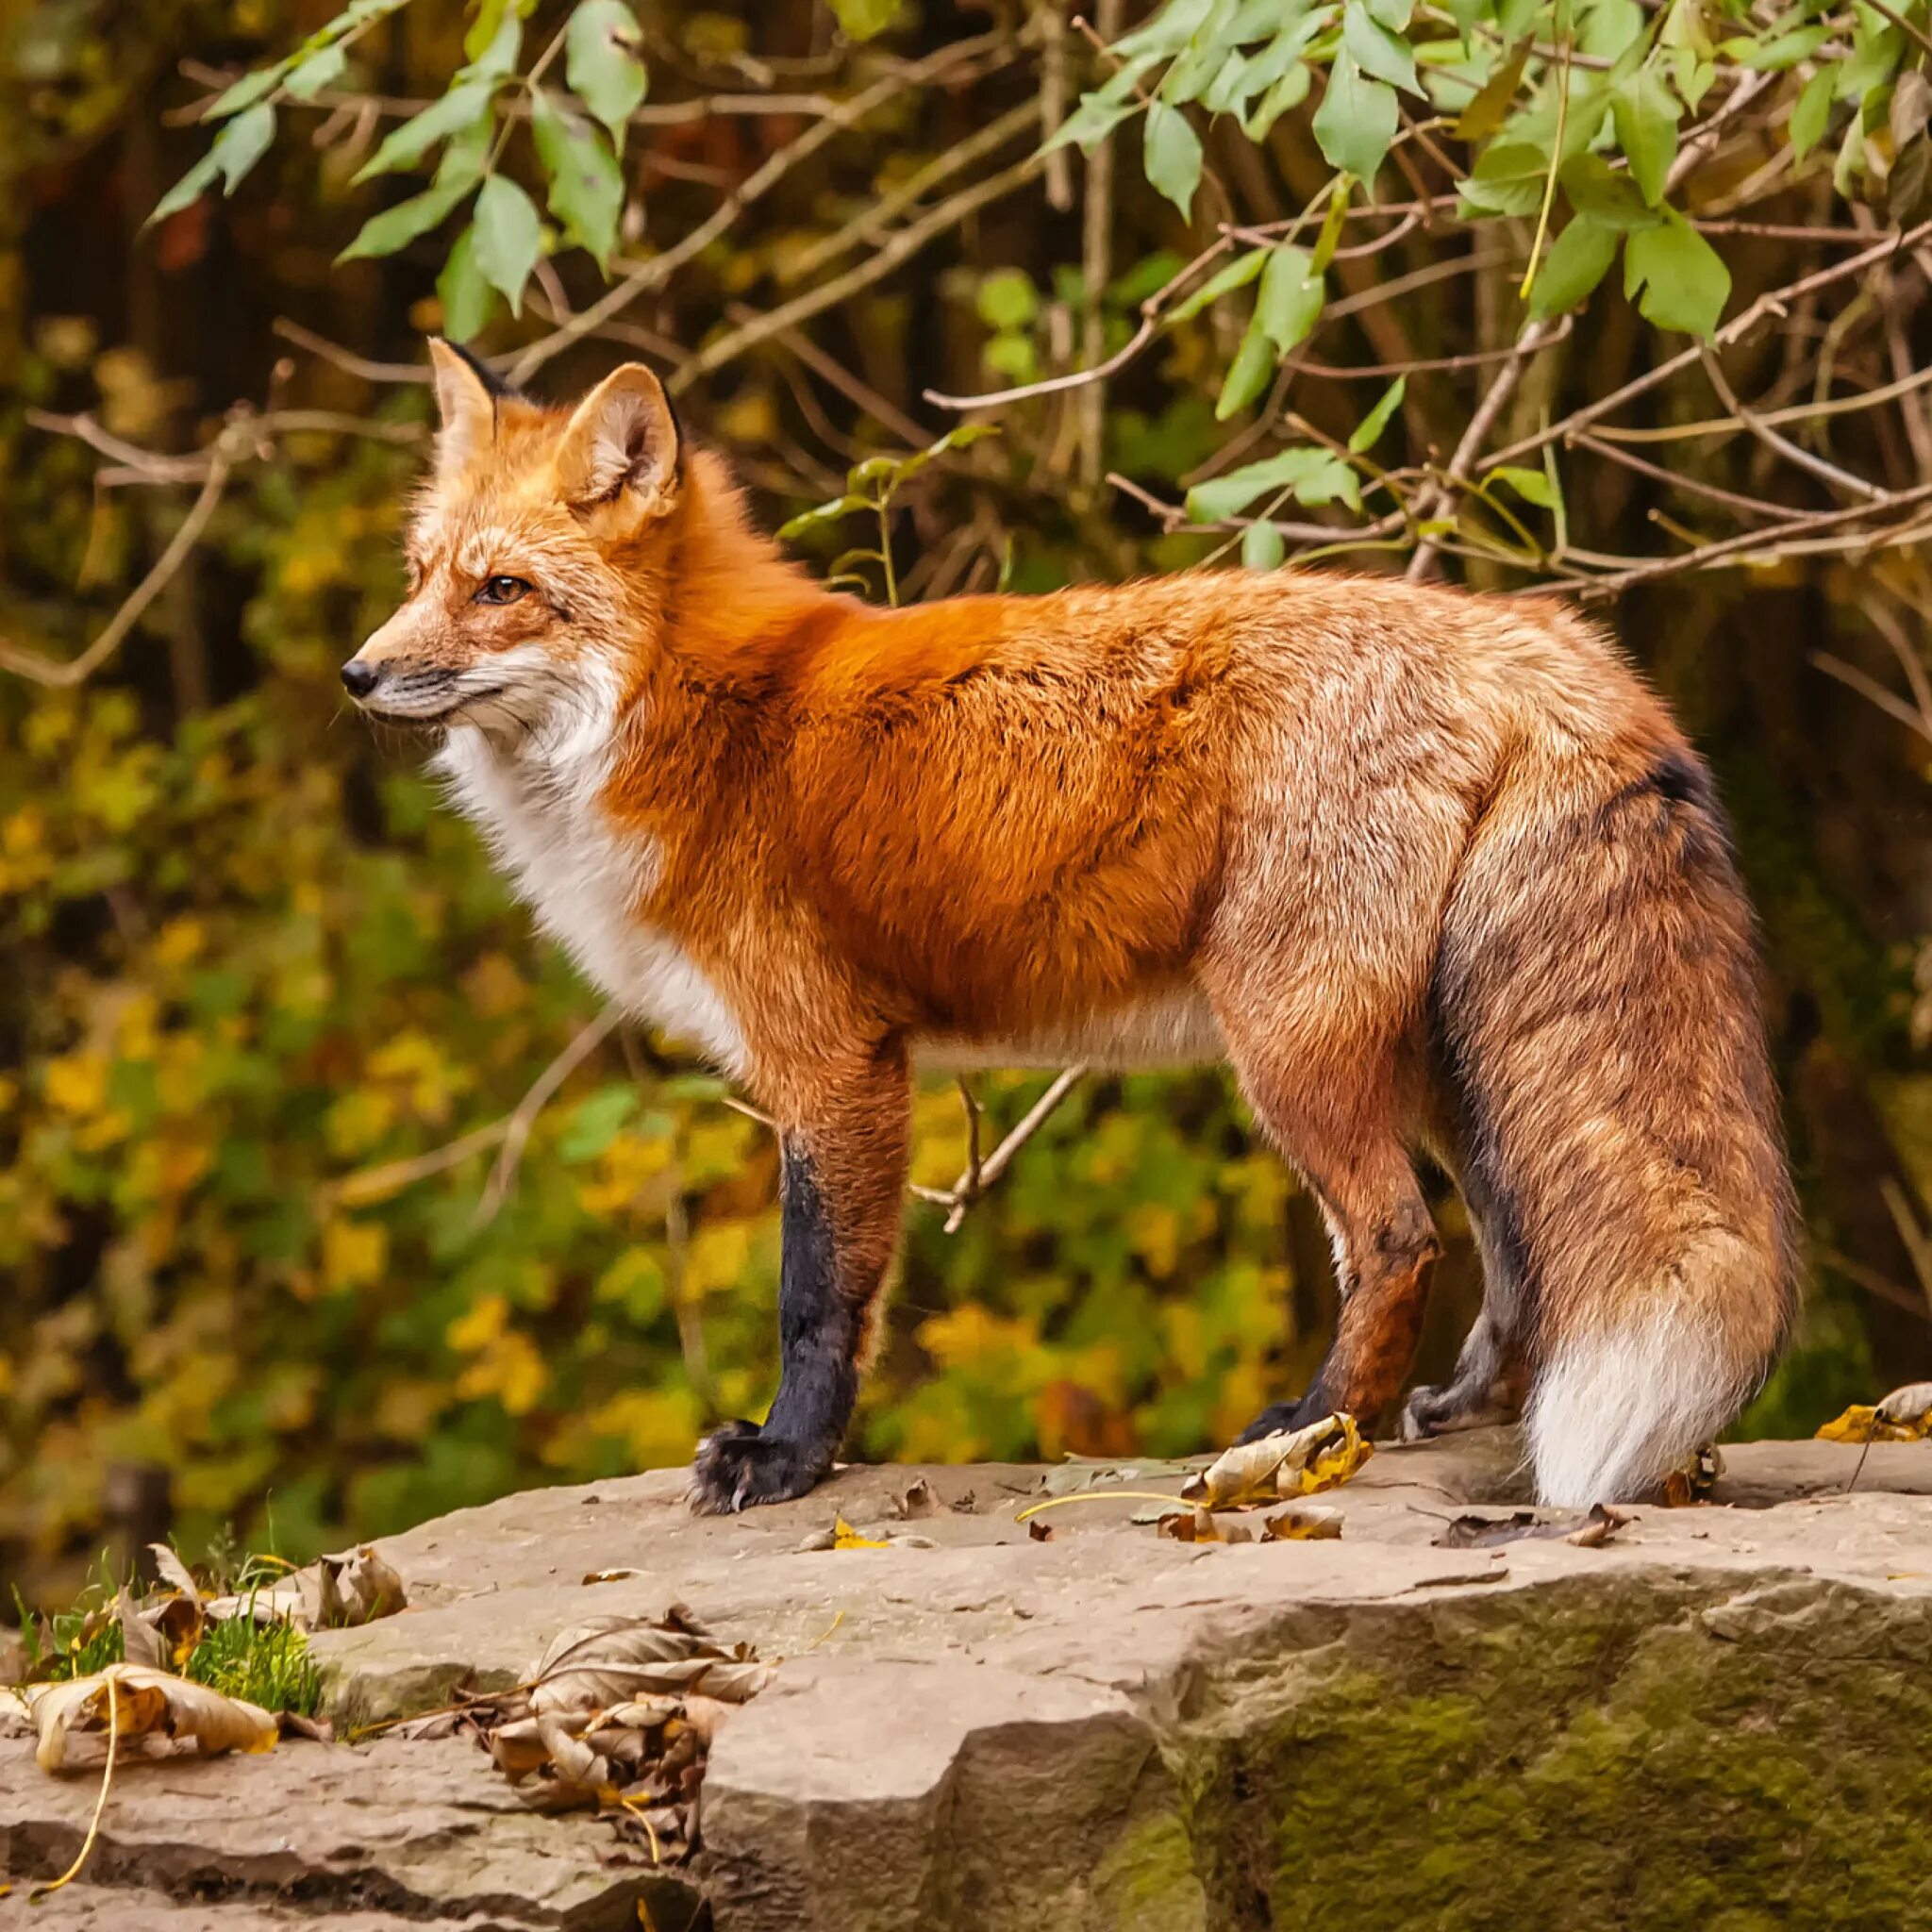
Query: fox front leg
(840, 1199)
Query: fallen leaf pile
(1903, 1416)
(618, 1715)
(1294, 1462)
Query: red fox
(1432, 871)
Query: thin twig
(517, 1128)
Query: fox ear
(468, 403)
(622, 440)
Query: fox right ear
(620, 445)
(468, 405)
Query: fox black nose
(359, 677)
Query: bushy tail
(1597, 995)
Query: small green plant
(268, 1664)
(264, 1661)
(870, 487)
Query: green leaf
(397, 227)
(456, 112)
(1311, 476)
(1578, 262)
(1287, 92)
(1645, 111)
(1237, 273)
(1684, 281)
(1376, 50)
(1008, 299)
(603, 63)
(1508, 179)
(1531, 485)
(493, 55)
(509, 238)
(1812, 114)
(1596, 190)
(245, 92)
(1393, 14)
(1781, 51)
(486, 33)
(1329, 240)
(586, 188)
(1247, 375)
(1090, 123)
(860, 20)
(1491, 102)
(242, 144)
(595, 1122)
(321, 70)
(1368, 431)
(1357, 119)
(1172, 155)
(1262, 547)
(190, 189)
(467, 299)
(822, 513)
(1290, 303)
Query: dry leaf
(1302, 1522)
(845, 1538)
(1190, 1527)
(610, 1575)
(145, 1699)
(1040, 1532)
(1293, 1462)
(159, 1635)
(173, 1571)
(1477, 1532)
(608, 1661)
(1692, 1481)
(915, 1501)
(351, 1586)
(1903, 1416)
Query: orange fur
(1213, 815)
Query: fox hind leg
(1334, 1119)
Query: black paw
(736, 1466)
(1284, 1415)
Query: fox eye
(503, 591)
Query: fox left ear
(466, 397)
(622, 442)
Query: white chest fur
(585, 877)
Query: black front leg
(839, 1198)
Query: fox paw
(1427, 1412)
(737, 1466)
(1279, 1416)
(1442, 1411)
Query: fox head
(536, 555)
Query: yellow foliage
(480, 1326)
(656, 1426)
(353, 1253)
(718, 1256)
(966, 1336)
(510, 1368)
(77, 1083)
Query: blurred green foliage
(264, 1008)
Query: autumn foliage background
(264, 1008)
